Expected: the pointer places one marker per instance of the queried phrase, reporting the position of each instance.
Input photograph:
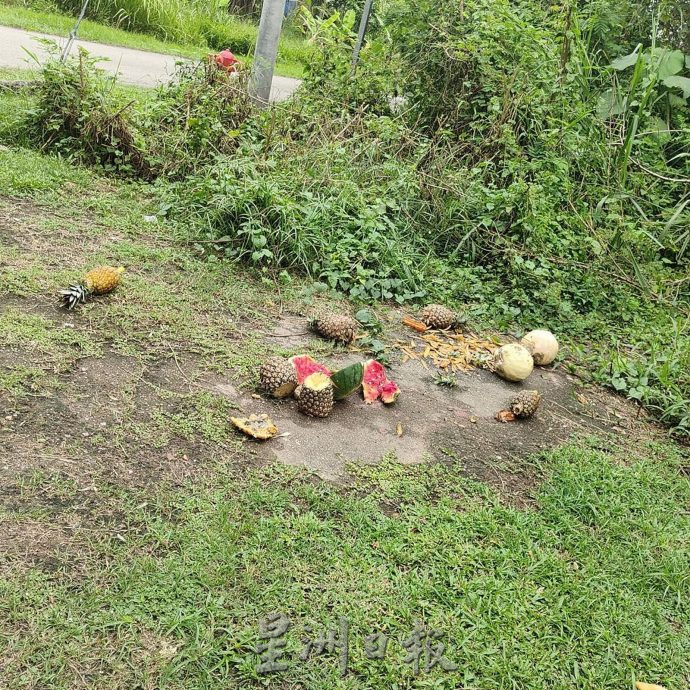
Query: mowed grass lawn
(588, 588)
(163, 584)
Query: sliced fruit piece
(374, 378)
(347, 380)
(389, 392)
(316, 395)
(305, 366)
(375, 384)
(505, 416)
(257, 426)
(277, 377)
(438, 316)
(415, 325)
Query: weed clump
(76, 110)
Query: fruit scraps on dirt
(448, 351)
(306, 366)
(376, 385)
(347, 380)
(513, 362)
(338, 327)
(315, 396)
(257, 426)
(438, 316)
(278, 377)
(522, 406)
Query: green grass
(589, 589)
(61, 25)
(51, 22)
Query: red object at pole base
(227, 61)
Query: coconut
(542, 345)
(513, 362)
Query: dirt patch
(93, 426)
(15, 215)
(290, 332)
(437, 423)
(98, 392)
(48, 546)
(69, 239)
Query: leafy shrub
(481, 68)
(76, 112)
(343, 236)
(198, 115)
(330, 83)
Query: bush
(198, 115)
(76, 112)
(348, 237)
(330, 84)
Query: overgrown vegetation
(142, 539)
(520, 171)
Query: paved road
(137, 67)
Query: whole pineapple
(316, 396)
(438, 316)
(98, 281)
(525, 404)
(278, 377)
(335, 327)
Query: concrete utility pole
(363, 22)
(266, 51)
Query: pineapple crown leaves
(448, 380)
(73, 295)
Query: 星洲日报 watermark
(422, 649)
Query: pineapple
(316, 396)
(525, 404)
(98, 281)
(278, 377)
(438, 316)
(335, 327)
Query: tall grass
(178, 20)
